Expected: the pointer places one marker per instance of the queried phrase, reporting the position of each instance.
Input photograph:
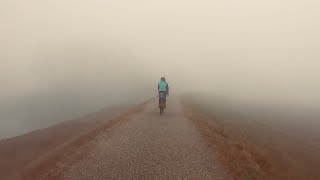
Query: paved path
(145, 146)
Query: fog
(65, 58)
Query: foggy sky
(262, 50)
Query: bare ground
(185, 143)
(20, 153)
(138, 144)
(256, 151)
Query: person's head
(163, 79)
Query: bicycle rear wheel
(161, 107)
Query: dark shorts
(162, 95)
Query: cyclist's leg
(159, 99)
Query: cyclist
(163, 87)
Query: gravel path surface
(146, 146)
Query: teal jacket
(163, 86)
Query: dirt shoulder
(25, 156)
(244, 157)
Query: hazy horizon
(92, 54)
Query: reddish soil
(20, 153)
(252, 150)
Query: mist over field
(65, 58)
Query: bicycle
(162, 98)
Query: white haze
(65, 58)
